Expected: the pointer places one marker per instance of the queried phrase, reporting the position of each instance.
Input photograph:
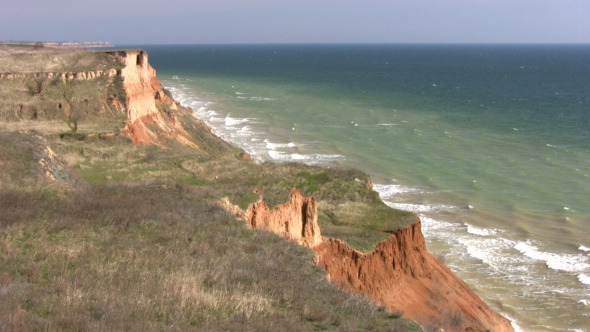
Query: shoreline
(152, 119)
(477, 233)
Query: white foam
(273, 146)
(256, 98)
(584, 302)
(316, 158)
(491, 251)
(261, 99)
(230, 122)
(584, 248)
(419, 208)
(515, 326)
(558, 262)
(481, 231)
(305, 158)
(277, 155)
(435, 228)
(216, 119)
(584, 278)
(388, 191)
(410, 207)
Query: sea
(489, 144)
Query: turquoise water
(490, 144)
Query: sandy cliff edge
(399, 274)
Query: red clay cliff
(398, 274)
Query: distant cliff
(119, 86)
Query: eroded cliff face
(150, 112)
(403, 276)
(398, 274)
(296, 220)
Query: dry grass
(149, 250)
(28, 60)
(130, 258)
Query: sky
(296, 21)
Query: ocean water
(489, 144)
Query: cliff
(121, 87)
(296, 220)
(145, 99)
(398, 274)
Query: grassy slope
(129, 237)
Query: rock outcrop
(296, 220)
(398, 274)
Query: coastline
(288, 150)
(231, 129)
(444, 221)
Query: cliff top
(30, 60)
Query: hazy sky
(297, 21)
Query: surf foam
(559, 262)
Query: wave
(272, 146)
(309, 159)
(243, 95)
(257, 98)
(231, 122)
(584, 278)
(559, 262)
(481, 231)
(419, 208)
(389, 191)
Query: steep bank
(147, 103)
(403, 276)
(399, 273)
